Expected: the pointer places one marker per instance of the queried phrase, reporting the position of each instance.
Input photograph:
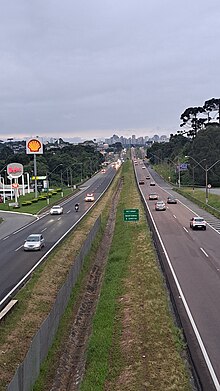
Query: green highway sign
(131, 214)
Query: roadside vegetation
(29, 204)
(135, 343)
(198, 196)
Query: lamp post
(177, 165)
(49, 173)
(193, 171)
(206, 169)
(81, 173)
(3, 187)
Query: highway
(15, 263)
(193, 263)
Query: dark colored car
(141, 182)
(171, 200)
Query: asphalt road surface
(15, 263)
(193, 258)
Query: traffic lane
(13, 221)
(52, 227)
(41, 225)
(199, 281)
(207, 241)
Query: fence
(28, 371)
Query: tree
(212, 105)
(190, 117)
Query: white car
(198, 223)
(34, 242)
(160, 205)
(89, 197)
(56, 210)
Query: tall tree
(191, 118)
(213, 105)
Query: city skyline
(90, 69)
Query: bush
(58, 190)
(35, 200)
(26, 203)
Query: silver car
(34, 242)
(160, 205)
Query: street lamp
(81, 173)
(206, 169)
(193, 171)
(157, 157)
(177, 165)
(49, 173)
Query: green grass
(133, 301)
(48, 368)
(199, 198)
(34, 207)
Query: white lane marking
(174, 216)
(19, 247)
(58, 218)
(44, 229)
(185, 229)
(190, 316)
(204, 252)
(6, 237)
(68, 211)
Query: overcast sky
(91, 68)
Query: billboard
(15, 170)
(34, 146)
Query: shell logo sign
(34, 146)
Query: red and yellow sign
(34, 146)
(15, 185)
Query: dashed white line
(185, 229)
(6, 237)
(174, 216)
(19, 247)
(44, 229)
(68, 211)
(204, 252)
(59, 219)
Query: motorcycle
(76, 208)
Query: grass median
(135, 344)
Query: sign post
(34, 146)
(131, 214)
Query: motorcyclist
(76, 207)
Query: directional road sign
(131, 214)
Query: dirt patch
(72, 362)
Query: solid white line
(185, 229)
(191, 319)
(44, 229)
(19, 248)
(204, 252)
(6, 237)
